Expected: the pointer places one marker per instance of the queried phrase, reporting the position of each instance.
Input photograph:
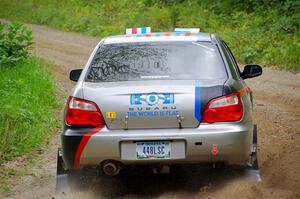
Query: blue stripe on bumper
(197, 100)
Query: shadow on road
(140, 182)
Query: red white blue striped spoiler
(143, 30)
(191, 30)
(159, 37)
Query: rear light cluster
(83, 112)
(224, 109)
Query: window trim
(235, 73)
(237, 69)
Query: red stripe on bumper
(82, 145)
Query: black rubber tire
(59, 166)
(254, 154)
(255, 134)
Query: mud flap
(252, 170)
(62, 177)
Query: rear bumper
(233, 141)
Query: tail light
(224, 109)
(83, 112)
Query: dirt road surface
(277, 113)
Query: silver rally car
(159, 99)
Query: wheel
(60, 163)
(253, 159)
(255, 134)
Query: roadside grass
(27, 117)
(257, 31)
(27, 101)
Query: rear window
(156, 60)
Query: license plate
(153, 150)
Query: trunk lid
(153, 103)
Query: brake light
(83, 112)
(224, 109)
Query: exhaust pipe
(111, 168)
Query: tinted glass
(232, 60)
(156, 60)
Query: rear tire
(60, 163)
(255, 134)
(253, 159)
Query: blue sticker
(167, 113)
(178, 33)
(157, 34)
(197, 101)
(144, 30)
(152, 98)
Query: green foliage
(260, 31)
(26, 107)
(15, 40)
(27, 98)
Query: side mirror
(251, 71)
(75, 74)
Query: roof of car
(159, 37)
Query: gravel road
(277, 113)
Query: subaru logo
(152, 98)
